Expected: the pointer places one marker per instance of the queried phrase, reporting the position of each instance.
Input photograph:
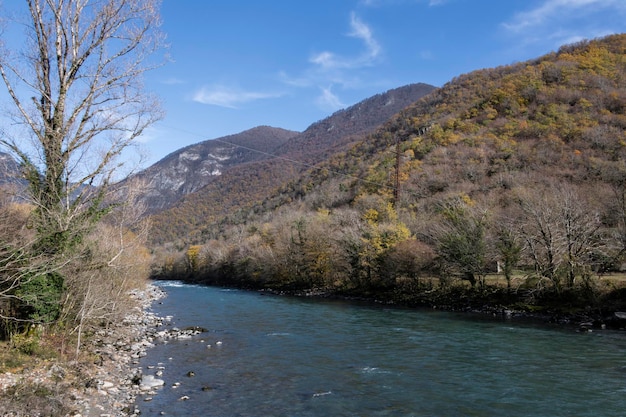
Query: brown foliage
(548, 125)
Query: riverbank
(574, 308)
(581, 318)
(104, 382)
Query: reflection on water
(282, 356)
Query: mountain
(192, 167)
(520, 167)
(244, 184)
(12, 185)
(9, 169)
(560, 117)
(334, 133)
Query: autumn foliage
(517, 170)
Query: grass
(44, 375)
(11, 359)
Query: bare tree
(97, 289)
(76, 89)
(561, 232)
(78, 102)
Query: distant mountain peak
(193, 167)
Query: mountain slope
(9, 169)
(483, 137)
(346, 126)
(560, 117)
(236, 190)
(191, 168)
(521, 167)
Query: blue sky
(237, 64)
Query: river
(266, 355)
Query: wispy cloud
(553, 23)
(551, 10)
(330, 68)
(173, 81)
(362, 31)
(328, 100)
(229, 97)
(358, 29)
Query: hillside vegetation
(239, 188)
(517, 170)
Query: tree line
(554, 240)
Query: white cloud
(303, 81)
(361, 31)
(229, 97)
(339, 68)
(329, 101)
(358, 29)
(173, 81)
(327, 60)
(558, 9)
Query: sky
(237, 64)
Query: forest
(505, 187)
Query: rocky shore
(118, 351)
(107, 386)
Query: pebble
(113, 377)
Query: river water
(267, 355)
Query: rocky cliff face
(193, 167)
(9, 169)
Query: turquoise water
(282, 356)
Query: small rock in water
(191, 373)
(149, 381)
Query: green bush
(41, 297)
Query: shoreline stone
(110, 384)
(119, 379)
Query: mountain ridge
(247, 183)
(192, 167)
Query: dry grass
(37, 377)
